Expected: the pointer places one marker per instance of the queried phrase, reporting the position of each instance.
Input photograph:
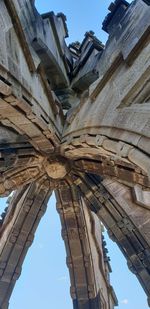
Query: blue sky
(44, 283)
(82, 15)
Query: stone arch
(105, 142)
(126, 221)
(81, 232)
(26, 208)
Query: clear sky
(44, 283)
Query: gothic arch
(76, 120)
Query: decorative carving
(71, 122)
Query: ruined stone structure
(76, 120)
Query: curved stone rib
(109, 127)
(118, 102)
(19, 162)
(123, 172)
(27, 103)
(18, 114)
(14, 178)
(127, 223)
(26, 208)
(101, 155)
(81, 232)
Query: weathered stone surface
(81, 230)
(126, 222)
(77, 120)
(26, 208)
(142, 197)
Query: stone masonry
(76, 120)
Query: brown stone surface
(76, 120)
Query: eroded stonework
(76, 119)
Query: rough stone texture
(25, 210)
(89, 270)
(76, 120)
